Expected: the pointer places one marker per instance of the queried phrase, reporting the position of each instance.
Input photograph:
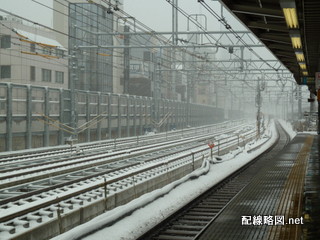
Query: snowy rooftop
(39, 39)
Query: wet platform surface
(273, 204)
(311, 228)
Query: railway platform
(281, 201)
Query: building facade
(89, 28)
(31, 55)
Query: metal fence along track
(28, 115)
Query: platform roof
(266, 19)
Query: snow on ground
(146, 211)
(288, 127)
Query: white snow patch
(288, 128)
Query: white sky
(158, 13)
(154, 13)
(29, 10)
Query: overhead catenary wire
(216, 44)
(229, 28)
(70, 36)
(87, 16)
(139, 25)
(144, 37)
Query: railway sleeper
(92, 195)
(232, 186)
(212, 205)
(84, 198)
(225, 195)
(66, 205)
(21, 222)
(206, 209)
(112, 188)
(216, 199)
(177, 232)
(168, 237)
(55, 191)
(229, 188)
(77, 201)
(66, 188)
(55, 208)
(21, 202)
(45, 213)
(6, 228)
(190, 222)
(186, 227)
(118, 185)
(34, 217)
(203, 213)
(197, 217)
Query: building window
(59, 53)
(5, 41)
(202, 91)
(2, 106)
(46, 51)
(32, 47)
(59, 77)
(5, 71)
(32, 73)
(46, 75)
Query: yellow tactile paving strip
(291, 200)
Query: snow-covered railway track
(13, 162)
(56, 153)
(25, 174)
(105, 186)
(18, 175)
(191, 220)
(39, 207)
(12, 192)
